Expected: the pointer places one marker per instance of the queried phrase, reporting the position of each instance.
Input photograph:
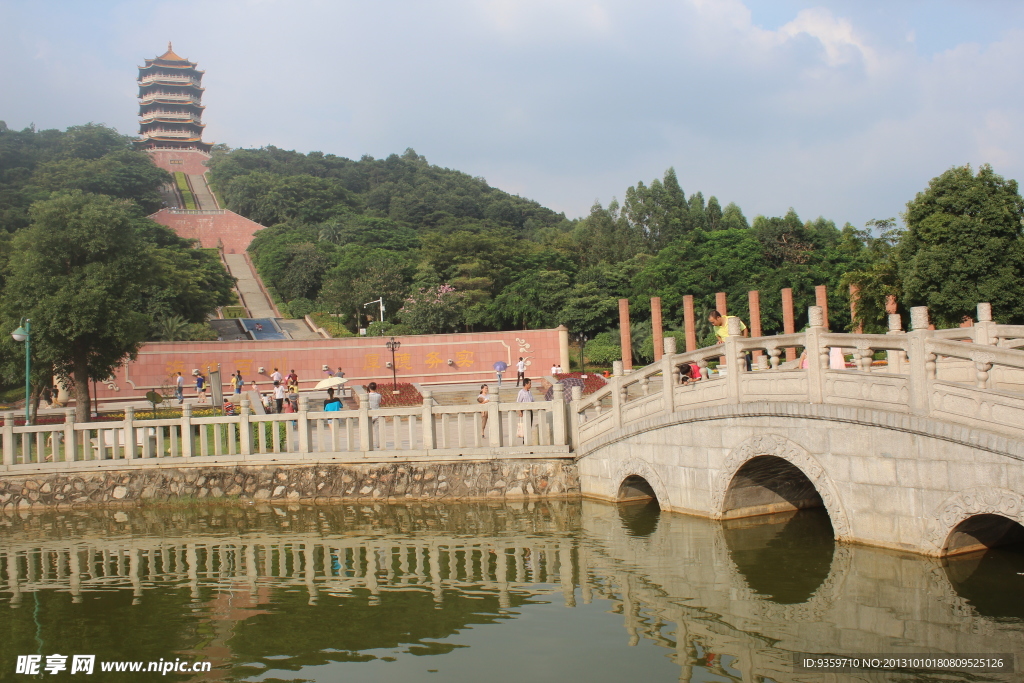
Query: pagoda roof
(169, 59)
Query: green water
(559, 591)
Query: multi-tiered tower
(170, 104)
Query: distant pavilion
(170, 104)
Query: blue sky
(839, 109)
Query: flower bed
(591, 381)
(407, 395)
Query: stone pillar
(9, 441)
(985, 330)
(245, 428)
(302, 425)
(689, 323)
(70, 440)
(817, 355)
(919, 318)
(984, 313)
(858, 327)
(668, 376)
(187, 437)
(563, 347)
(754, 303)
(720, 303)
(130, 451)
(656, 333)
(894, 359)
(788, 319)
(558, 416)
(624, 336)
(733, 359)
(429, 433)
(821, 300)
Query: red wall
(191, 162)
(226, 229)
(421, 358)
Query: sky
(838, 109)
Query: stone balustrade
(972, 377)
(423, 433)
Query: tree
(586, 309)
(534, 299)
(77, 271)
(434, 310)
(963, 245)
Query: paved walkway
(297, 329)
(204, 198)
(252, 296)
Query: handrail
(907, 383)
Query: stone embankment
(508, 479)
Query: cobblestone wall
(506, 479)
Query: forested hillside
(449, 252)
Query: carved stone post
(302, 424)
(70, 440)
(366, 428)
(895, 359)
(985, 330)
(656, 332)
(558, 416)
(494, 420)
(245, 428)
(735, 360)
(9, 438)
(430, 432)
(187, 438)
(668, 380)
(130, 452)
(817, 355)
(922, 364)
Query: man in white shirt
(520, 371)
(179, 388)
(373, 403)
(277, 376)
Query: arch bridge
(924, 453)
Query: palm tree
(173, 328)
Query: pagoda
(170, 104)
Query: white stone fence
(429, 432)
(970, 376)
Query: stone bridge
(924, 453)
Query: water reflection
(784, 557)
(314, 593)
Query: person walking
(200, 388)
(237, 382)
(525, 396)
(483, 398)
(276, 376)
(179, 388)
(520, 371)
(279, 396)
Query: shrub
(301, 307)
(330, 324)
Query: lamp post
(24, 334)
(583, 342)
(392, 347)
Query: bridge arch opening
(984, 561)
(639, 509)
(768, 485)
(981, 532)
(635, 488)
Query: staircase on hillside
(205, 201)
(253, 298)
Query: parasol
(501, 366)
(330, 382)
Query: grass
(186, 193)
(234, 312)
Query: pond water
(554, 591)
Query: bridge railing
(428, 432)
(972, 376)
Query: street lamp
(24, 334)
(392, 347)
(379, 301)
(583, 342)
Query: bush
(301, 307)
(386, 329)
(201, 332)
(234, 312)
(603, 349)
(330, 324)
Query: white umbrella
(330, 382)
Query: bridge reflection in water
(262, 589)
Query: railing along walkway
(428, 433)
(971, 377)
